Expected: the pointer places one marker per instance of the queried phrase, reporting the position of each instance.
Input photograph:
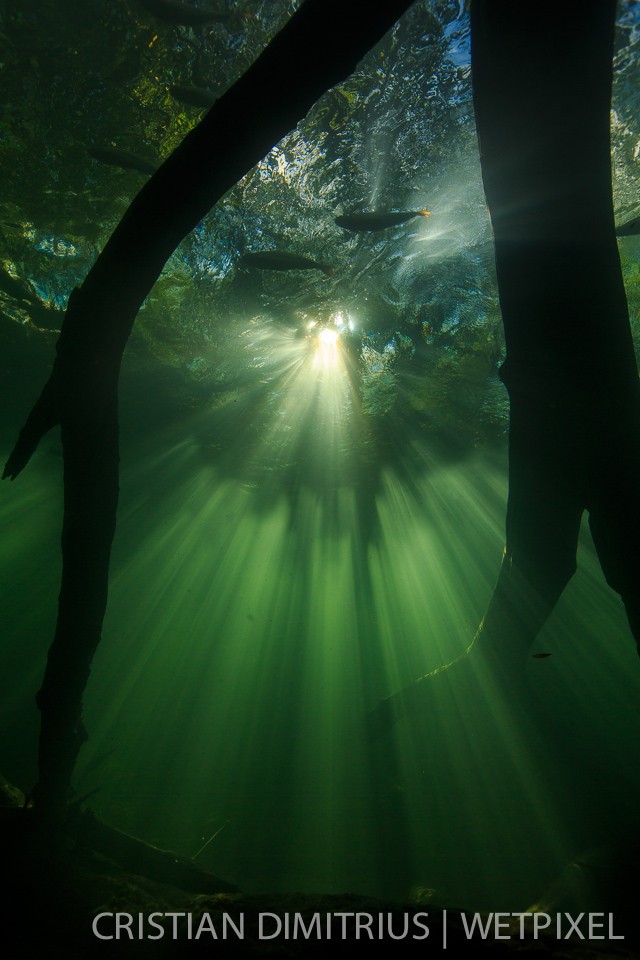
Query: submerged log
(142, 858)
(22, 840)
(542, 81)
(320, 46)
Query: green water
(304, 528)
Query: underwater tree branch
(570, 368)
(319, 47)
(542, 97)
(145, 859)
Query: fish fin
(328, 271)
(424, 213)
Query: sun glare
(328, 337)
(327, 352)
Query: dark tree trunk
(542, 94)
(319, 47)
(542, 77)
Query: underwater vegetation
(314, 451)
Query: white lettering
(423, 926)
(405, 927)
(174, 922)
(94, 927)
(499, 924)
(158, 926)
(228, 922)
(343, 923)
(476, 921)
(593, 924)
(521, 917)
(540, 922)
(612, 935)
(573, 925)
(306, 932)
(268, 936)
(206, 926)
(364, 921)
(123, 922)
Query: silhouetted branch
(320, 46)
(542, 97)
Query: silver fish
(282, 260)
(371, 222)
(193, 96)
(122, 159)
(629, 229)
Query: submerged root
(496, 655)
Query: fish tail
(328, 271)
(424, 213)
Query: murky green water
(304, 526)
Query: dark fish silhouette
(282, 260)
(182, 14)
(629, 229)
(193, 96)
(371, 222)
(122, 159)
(540, 656)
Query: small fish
(182, 14)
(540, 656)
(371, 222)
(282, 260)
(193, 96)
(629, 229)
(122, 159)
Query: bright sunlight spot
(327, 353)
(328, 337)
